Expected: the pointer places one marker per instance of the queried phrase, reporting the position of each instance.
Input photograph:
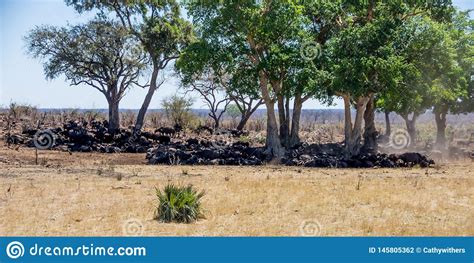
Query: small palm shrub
(180, 204)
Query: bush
(18, 111)
(234, 113)
(179, 204)
(178, 110)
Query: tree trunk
(370, 132)
(216, 123)
(246, 114)
(243, 121)
(295, 121)
(146, 102)
(288, 116)
(353, 144)
(347, 118)
(114, 115)
(388, 126)
(273, 143)
(440, 118)
(283, 120)
(214, 118)
(411, 128)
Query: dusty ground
(99, 194)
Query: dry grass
(97, 194)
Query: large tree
(365, 63)
(100, 54)
(455, 86)
(438, 65)
(156, 24)
(266, 38)
(428, 55)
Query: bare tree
(212, 93)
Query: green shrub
(178, 110)
(244, 138)
(180, 204)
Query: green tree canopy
(261, 42)
(365, 62)
(100, 54)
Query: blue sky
(22, 79)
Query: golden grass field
(112, 195)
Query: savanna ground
(98, 194)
